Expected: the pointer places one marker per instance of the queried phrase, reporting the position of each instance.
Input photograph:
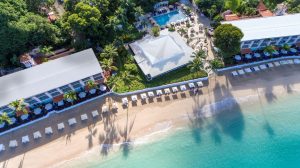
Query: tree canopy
(228, 39)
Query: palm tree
(20, 106)
(113, 81)
(196, 65)
(109, 52)
(200, 54)
(91, 84)
(46, 50)
(5, 118)
(270, 49)
(286, 47)
(127, 78)
(70, 96)
(107, 65)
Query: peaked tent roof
(47, 76)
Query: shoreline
(144, 118)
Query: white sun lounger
(60, 126)
(256, 69)
(104, 109)
(277, 64)
(248, 70)
(72, 121)
(200, 84)
(290, 62)
(37, 135)
(124, 101)
(95, 113)
(234, 73)
(191, 85)
(143, 96)
(2, 147)
(241, 72)
(48, 130)
(263, 66)
(134, 98)
(183, 88)
(167, 91)
(150, 94)
(283, 62)
(13, 143)
(25, 139)
(297, 61)
(174, 89)
(158, 92)
(83, 117)
(270, 65)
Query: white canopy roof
(158, 55)
(268, 27)
(47, 76)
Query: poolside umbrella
(175, 89)
(238, 57)
(159, 92)
(150, 94)
(143, 96)
(182, 88)
(124, 101)
(167, 91)
(191, 85)
(134, 98)
(200, 84)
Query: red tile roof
(246, 51)
(231, 17)
(266, 13)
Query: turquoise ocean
(247, 136)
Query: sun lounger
(124, 101)
(174, 89)
(72, 121)
(263, 67)
(167, 91)
(150, 94)
(134, 98)
(283, 62)
(183, 88)
(143, 96)
(241, 72)
(191, 85)
(25, 139)
(200, 84)
(37, 135)
(270, 65)
(248, 70)
(297, 61)
(48, 130)
(104, 109)
(290, 62)
(256, 69)
(95, 113)
(234, 73)
(158, 92)
(83, 117)
(60, 126)
(277, 64)
(13, 143)
(2, 147)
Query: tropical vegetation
(19, 106)
(70, 96)
(4, 118)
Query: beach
(222, 92)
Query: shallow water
(257, 135)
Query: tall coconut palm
(70, 96)
(107, 65)
(5, 118)
(196, 65)
(20, 106)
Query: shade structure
(183, 88)
(48, 130)
(159, 93)
(175, 89)
(2, 147)
(60, 126)
(83, 117)
(167, 91)
(13, 143)
(191, 85)
(104, 109)
(134, 98)
(143, 96)
(124, 101)
(72, 121)
(25, 139)
(95, 113)
(37, 135)
(150, 94)
(200, 84)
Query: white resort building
(261, 32)
(49, 81)
(159, 55)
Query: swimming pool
(167, 18)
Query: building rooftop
(268, 27)
(158, 55)
(47, 76)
